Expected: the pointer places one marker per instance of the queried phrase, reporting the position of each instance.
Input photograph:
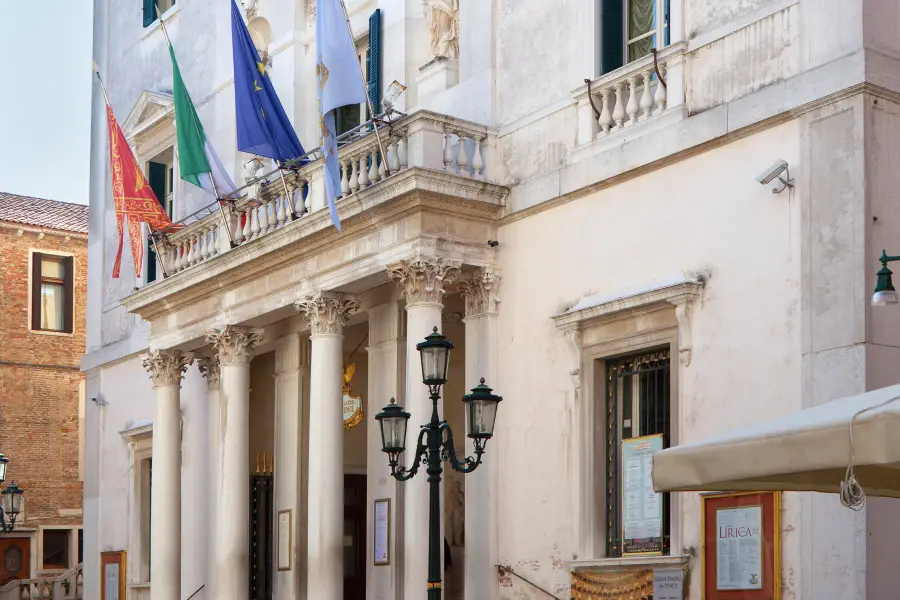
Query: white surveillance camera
(774, 172)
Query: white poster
(111, 574)
(668, 584)
(284, 540)
(739, 548)
(382, 531)
(641, 505)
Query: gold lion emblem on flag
(322, 74)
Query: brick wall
(39, 383)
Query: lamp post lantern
(10, 500)
(884, 287)
(435, 442)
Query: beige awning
(805, 451)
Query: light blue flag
(339, 84)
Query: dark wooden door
(261, 536)
(15, 559)
(354, 537)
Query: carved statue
(444, 16)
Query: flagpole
(366, 86)
(162, 261)
(225, 223)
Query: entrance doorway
(261, 536)
(354, 537)
(15, 559)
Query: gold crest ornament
(353, 409)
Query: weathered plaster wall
(715, 219)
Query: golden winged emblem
(353, 408)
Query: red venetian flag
(134, 199)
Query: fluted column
(209, 367)
(234, 346)
(327, 314)
(166, 368)
(480, 293)
(422, 282)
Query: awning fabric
(805, 451)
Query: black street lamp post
(10, 500)
(435, 443)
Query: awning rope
(852, 494)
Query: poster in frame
(641, 528)
(112, 575)
(741, 546)
(382, 532)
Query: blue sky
(45, 58)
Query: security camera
(775, 171)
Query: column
(422, 282)
(386, 352)
(291, 373)
(234, 346)
(166, 368)
(480, 293)
(327, 313)
(209, 368)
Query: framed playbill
(284, 539)
(382, 532)
(112, 575)
(741, 558)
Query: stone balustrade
(65, 586)
(423, 139)
(632, 94)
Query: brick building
(43, 283)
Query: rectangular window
(146, 478)
(150, 8)
(354, 115)
(56, 549)
(52, 280)
(161, 177)
(80, 546)
(637, 405)
(630, 29)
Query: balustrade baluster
(448, 151)
(659, 99)
(354, 177)
(374, 173)
(214, 239)
(605, 120)
(266, 220)
(363, 172)
(280, 215)
(619, 109)
(246, 230)
(633, 106)
(299, 207)
(462, 157)
(646, 97)
(254, 223)
(393, 163)
(345, 179)
(190, 252)
(204, 245)
(477, 160)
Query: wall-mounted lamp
(775, 172)
(390, 97)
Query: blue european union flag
(262, 125)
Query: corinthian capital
(421, 280)
(209, 368)
(327, 312)
(166, 367)
(234, 344)
(480, 292)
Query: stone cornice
(412, 191)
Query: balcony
(641, 91)
(272, 203)
(437, 190)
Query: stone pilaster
(211, 371)
(166, 368)
(234, 347)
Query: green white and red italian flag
(197, 160)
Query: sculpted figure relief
(444, 16)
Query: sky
(45, 59)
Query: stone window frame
(140, 445)
(598, 330)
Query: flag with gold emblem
(134, 200)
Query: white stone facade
(543, 238)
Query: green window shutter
(612, 35)
(149, 12)
(375, 60)
(157, 178)
(668, 24)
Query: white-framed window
(630, 29)
(140, 442)
(160, 172)
(354, 115)
(52, 292)
(56, 549)
(151, 7)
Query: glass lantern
(4, 462)
(435, 355)
(393, 422)
(481, 411)
(12, 500)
